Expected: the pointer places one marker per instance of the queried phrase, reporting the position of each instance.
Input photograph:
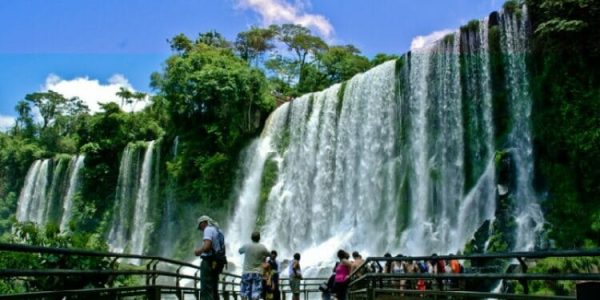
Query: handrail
(366, 284)
(479, 256)
(230, 283)
(82, 252)
(363, 283)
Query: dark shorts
(295, 285)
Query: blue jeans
(251, 285)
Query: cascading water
(46, 196)
(246, 212)
(168, 220)
(126, 189)
(34, 181)
(400, 158)
(77, 163)
(140, 215)
(529, 217)
(135, 189)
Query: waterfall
(257, 154)
(140, 216)
(135, 188)
(46, 196)
(168, 220)
(126, 189)
(436, 173)
(26, 195)
(514, 39)
(400, 158)
(77, 163)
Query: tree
(343, 62)
(300, 41)
(283, 68)
(180, 43)
(126, 96)
(216, 103)
(214, 39)
(49, 104)
(252, 44)
(24, 122)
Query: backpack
(219, 257)
(422, 267)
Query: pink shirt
(341, 272)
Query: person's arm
(206, 246)
(347, 262)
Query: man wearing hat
(213, 242)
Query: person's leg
(246, 287)
(207, 286)
(215, 285)
(256, 286)
(276, 292)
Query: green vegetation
(267, 182)
(473, 25)
(49, 237)
(566, 92)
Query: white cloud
(6, 122)
(91, 91)
(426, 41)
(280, 11)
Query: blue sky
(96, 46)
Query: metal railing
(161, 276)
(366, 284)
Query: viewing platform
(159, 278)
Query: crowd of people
(261, 269)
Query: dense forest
(215, 95)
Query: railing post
(153, 293)
(524, 282)
(224, 288)
(305, 291)
(370, 290)
(148, 275)
(177, 285)
(196, 290)
(155, 263)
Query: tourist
(423, 269)
(255, 254)
(267, 281)
(327, 288)
(295, 274)
(387, 269)
(342, 274)
(398, 268)
(357, 263)
(275, 276)
(455, 268)
(213, 244)
(410, 267)
(438, 267)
